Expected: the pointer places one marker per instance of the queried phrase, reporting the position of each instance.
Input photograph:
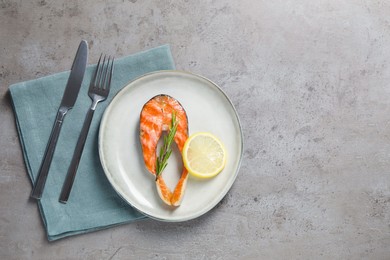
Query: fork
(99, 89)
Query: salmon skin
(155, 118)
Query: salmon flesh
(156, 116)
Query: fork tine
(111, 71)
(100, 74)
(105, 67)
(101, 80)
(93, 82)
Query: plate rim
(227, 187)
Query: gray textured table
(311, 84)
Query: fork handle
(67, 186)
(47, 158)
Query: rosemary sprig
(165, 150)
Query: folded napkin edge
(56, 237)
(21, 140)
(45, 77)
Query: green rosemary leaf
(166, 151)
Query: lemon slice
(204, 155)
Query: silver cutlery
(68, 100)
(99, 89)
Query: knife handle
(50, 148)
(67, 187)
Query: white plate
(208, 110)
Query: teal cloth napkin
(93, 204)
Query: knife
(68, 100)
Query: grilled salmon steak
(156, 117)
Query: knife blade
(68, 100)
